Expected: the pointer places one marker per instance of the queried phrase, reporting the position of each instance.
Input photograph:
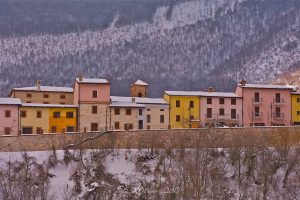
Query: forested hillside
(182, 45)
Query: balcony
(278, 115)
(278, 101)
(218, 117)
(257, 115)
(257, 100)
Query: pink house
(92, 96)
(265, 105)
(219, 108)
(9, 116)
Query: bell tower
(139, 89)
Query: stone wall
(37, 97)
(180, 138)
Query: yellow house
(47, 118)
(34, 119)
(296, 108)
(62, 118)
(184, 109)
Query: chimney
(80, 77)
(133, 99)
(243, 82)
(38, 85)
(210, 89)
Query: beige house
(43, 94)
(153, 113)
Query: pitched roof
(41, 105)
(92, 80)
(10, 101)
(202, 94)
(45, 89)
(140, 82)
(126, 105)
(139, 100)
(265, 86)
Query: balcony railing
(278, 115)
(257, 114)
(221, 117)
(257, 100)
(278, 101)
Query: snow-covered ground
(152, 174)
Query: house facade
(92, 96)
(47, 118)
(295, 108)
(43, 94)
(265, 105)
(220, 109)
(139, 89)
(153, 112)
(9, 116)
(184, 109)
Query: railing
(278, 101)
(221, 117)
(257, 114)
(257, 100)
(278, 115)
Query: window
(38, 114)
(162, 119)
(298, 100)
(28, 101)
(221, 100)
(277, 98)
(141, 124)
(256, 97)
(209, 113)
(148, 109)
(70, 129)
(233, 101)
(117, 111)
(298, 112)
(94, 109)
(27, 130)
(46, 96)
(256, 110)
(23, 113)
(177, 118)
(148, 118)
(7, 114)
(209, 101)
(162, 109)
(140, 94)
(28, 95)
(128, 126)
(39, 130)
(222, 111)
(177, 103)
(128, 111)
(53, 129)
(191, 117)
(191, 104)
(56, 115)
(45, 102)
(140, 111)
(117, 125)
(95, 93)
(62, 103)
(7, 131)
(62, 96)
(94, 126)
(70, 115)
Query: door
(233, 114)
(141, 124)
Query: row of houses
(88, 106)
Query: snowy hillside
(184, 45)
(237, 173)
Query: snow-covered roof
(139, 100)
(10, 101)
(127, 105)
(140, 82)
(92, 80)
(202, 94)
(45, 89)
(263, 86)
(41, 105)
